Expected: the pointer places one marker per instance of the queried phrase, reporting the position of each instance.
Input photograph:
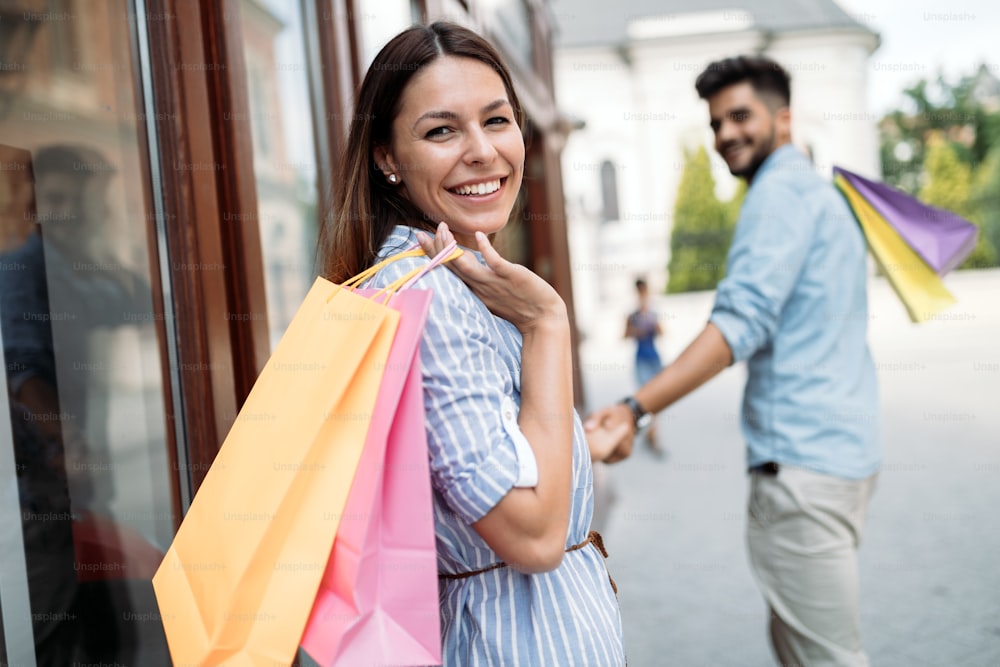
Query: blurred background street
(930, 581)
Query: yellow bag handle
(448, 253)
(375, 268)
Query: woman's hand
(609, 440)
(509, 290)
(610, 432)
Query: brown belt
(593, 537)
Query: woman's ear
(384, 161)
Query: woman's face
(456, 147)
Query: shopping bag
(237, 583)
(916, 284)
(941, 238)
(378, 601)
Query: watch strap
(638, 412)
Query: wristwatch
(641, 417)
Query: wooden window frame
(330, 41)
(215, 272)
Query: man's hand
(610, 432)
(703, 359)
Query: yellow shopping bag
(237, 584)
(916, 284)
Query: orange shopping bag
(238, 582)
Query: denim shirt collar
(781, 157)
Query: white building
(626, 69)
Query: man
(793, 306)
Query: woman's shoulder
(446, 285)
(400, 240)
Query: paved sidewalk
(930, 560)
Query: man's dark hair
(770, 81)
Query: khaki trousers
(803, 532)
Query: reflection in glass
(81, 343)
(378, 21)
(511, 27)
(283, 152)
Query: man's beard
(761, 151)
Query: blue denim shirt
(794, 306)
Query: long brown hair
(366, 207)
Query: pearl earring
(393, 178)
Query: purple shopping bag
(941, 238)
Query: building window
(609, 192)
(64, 43)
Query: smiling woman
(436, 147)
(457, 123)
(408, 112)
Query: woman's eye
(438, 132)
(497, 120)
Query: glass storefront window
(85, 481)
(378, 21)
(510, 24)
(284, 153)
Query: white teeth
(479, 188)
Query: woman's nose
(479, 147)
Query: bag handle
(448, 253)
(375, 268)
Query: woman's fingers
(427, 243)
(508, 290)
(493, 259)
(466, 265)
(605, 441)
(432, 245)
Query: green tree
(986, 198)
(703, 229)
(962, 112)
(904, 133)
(733, 207)
(948, 186)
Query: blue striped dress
(471, 365)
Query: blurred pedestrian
(643, 325)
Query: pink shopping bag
(378, 601)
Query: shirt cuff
(734, 329)
(527, 466)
